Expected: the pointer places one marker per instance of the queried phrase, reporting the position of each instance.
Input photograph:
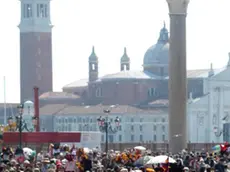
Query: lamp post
(106, 127)
(19, 119)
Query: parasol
(161, 160)
(142, 160)
(140, 148)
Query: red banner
(41, 137)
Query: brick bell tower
(35, 48)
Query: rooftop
(55, 95)
(78, 83)
(137, 75)
(129, 75)
(62, 109)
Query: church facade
(130, 87)
(140, 99)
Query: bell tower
(93, 66)
(35, 48)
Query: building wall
(47, 123)
(136, 91)
(133, 127)
(125, 91)
(195, 86)
(208, 114)
(35, 63)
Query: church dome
(158, 53)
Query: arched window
(152, 92)
(27, 10)
(93, 67)
(99, 92)
(42, 10)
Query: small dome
(158, 53)
(93, 56)
(28, 103)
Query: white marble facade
(208, 114)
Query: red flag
(223, 148)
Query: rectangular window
(141, 128)
(141, 138)
(69, 127)
(132, 128)
(27, 10)
(154, 138)
(152, 92)
(80, 127)
(163, 138)
(132, 138)
(111, 138)
(42, 11)
(120, 138)
(163, 128)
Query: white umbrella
(160, 159)
(143, 160)
(28, 152)
(87, 150)
(141, 148)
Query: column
(210, 113)
(177, 76)
(220, 115)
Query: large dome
(158, 53)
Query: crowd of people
(138, 159)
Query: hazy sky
(111, 25)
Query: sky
(111, 25)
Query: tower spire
(164, 37)
(93, 66)
(93, 56)
(93, 50)
(125, 61)
(125, 51)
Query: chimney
(211, 72)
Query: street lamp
(19, 120)
(106, 126)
